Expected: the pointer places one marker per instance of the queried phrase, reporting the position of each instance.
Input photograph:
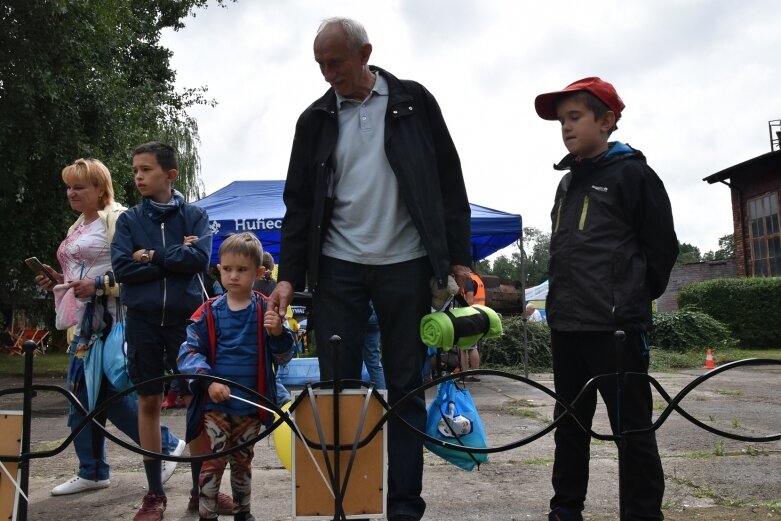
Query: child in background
(248, 341)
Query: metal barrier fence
(29, 389)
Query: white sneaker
(77, 484)
(170, 466)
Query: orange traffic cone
(709, 359)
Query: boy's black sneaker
(562, 514)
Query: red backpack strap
(212, 332)
(206, 307)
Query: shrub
(687, 330)
(748, 306)
(507, 350)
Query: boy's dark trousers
(578, 357)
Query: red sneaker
(170, 400)
(152, 508)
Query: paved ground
(707, 477)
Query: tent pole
(524, 318)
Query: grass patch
(47, 445)
(523, 408)
(728, 392)
(523, 403)
(538, 461)
(50, 364)
(705, 492)
(666, 361)
(662, 361)
(716, 452)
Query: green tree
(504, 268)
(81, 78)
(726, 249)
(688, 253)
(536, 251)
(538, 243)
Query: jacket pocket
(558, 215)
(583, 214)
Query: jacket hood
(158, 212)
(617, 151)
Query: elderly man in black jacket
(376, 208)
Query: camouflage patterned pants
(226, 431)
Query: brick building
(755, 186)
(685, 274)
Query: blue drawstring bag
(453, 418)
(93, 370)
(115, 358)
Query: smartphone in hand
(36, 267)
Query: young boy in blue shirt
(612, 247)
(235, 337)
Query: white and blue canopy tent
(257, 206)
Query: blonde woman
(85, 258)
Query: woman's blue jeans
(90, 443)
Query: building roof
(768, 160)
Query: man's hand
(461, 274)
(189, 239)
(219, 392)
(280, 298)
(273, 323)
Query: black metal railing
(338, 483)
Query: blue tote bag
(453, 418)
(115, 354)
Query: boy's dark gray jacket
(420, 152)
(613, 243)
(165, 291)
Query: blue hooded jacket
(166, 290)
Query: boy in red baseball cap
(612, 247)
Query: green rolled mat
(460, 327)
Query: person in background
(266, 283)
(372, 352)
(85, 258)
(472, 293)
(612, 248)
(376, 207)
(533, 314)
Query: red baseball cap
(545, 104)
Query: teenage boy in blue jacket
(159, 248)
(613, 245)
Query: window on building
(765, 235)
